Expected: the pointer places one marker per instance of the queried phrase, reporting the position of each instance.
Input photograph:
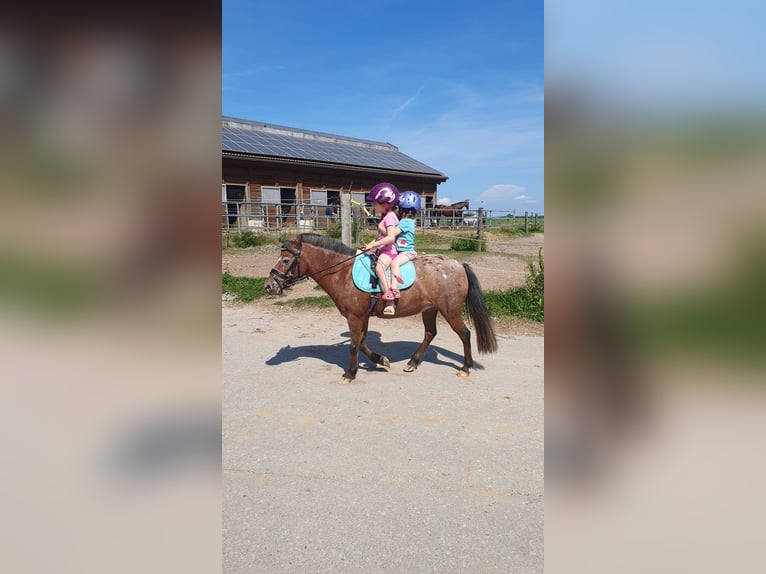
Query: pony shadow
(403, 350)
(337, 353)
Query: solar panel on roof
(263, 139)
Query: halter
(293, 274)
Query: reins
(289, 280)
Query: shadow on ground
(337, 354)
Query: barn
(276, 176)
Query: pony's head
(287, 268)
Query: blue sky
(456, 85)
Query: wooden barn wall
(257, 174)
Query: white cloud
(444, 201)
(406, 103)
(500, 192)
(504, 196)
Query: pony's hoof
(384, 362)
(345, 380)
(462, 373)
(409, 369)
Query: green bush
(527, 301)
(249, 239)
(468, 244)
(245, 288)
(334, 230)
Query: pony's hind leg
(381, 360)
(429, 322)
(455, 320)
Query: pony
(454, 210)
(443, 285)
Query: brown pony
(442, 286)
(454, 210)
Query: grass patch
(518, 302)
(245, 288)
(320, 302)
(468, 244)
(527, 301)
(517, 230)
(245, 239)
(430, 242)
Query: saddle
(366, 280)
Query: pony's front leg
(355, 327)
(376, 358)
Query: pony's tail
(477, 309)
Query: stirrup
(389, 310)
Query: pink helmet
(384, 193)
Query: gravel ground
(396, 472)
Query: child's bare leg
(380, 270)
(395, 272)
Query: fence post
(345, 218)
(526, 222)
(535, 223)
(480, 225)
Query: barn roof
(245, 138)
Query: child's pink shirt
(389, 220)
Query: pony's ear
(290, 244)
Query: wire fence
(283, 218)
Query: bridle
(293, 272)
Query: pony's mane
(327, 243)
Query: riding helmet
(410, 200)
(384, 193)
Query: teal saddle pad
(363, 275)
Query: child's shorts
(410, 254)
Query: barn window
(233, 196)
(325, 197)
(282, 199)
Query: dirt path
(396, 472)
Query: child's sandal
(388, 295)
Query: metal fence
(281, 218)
